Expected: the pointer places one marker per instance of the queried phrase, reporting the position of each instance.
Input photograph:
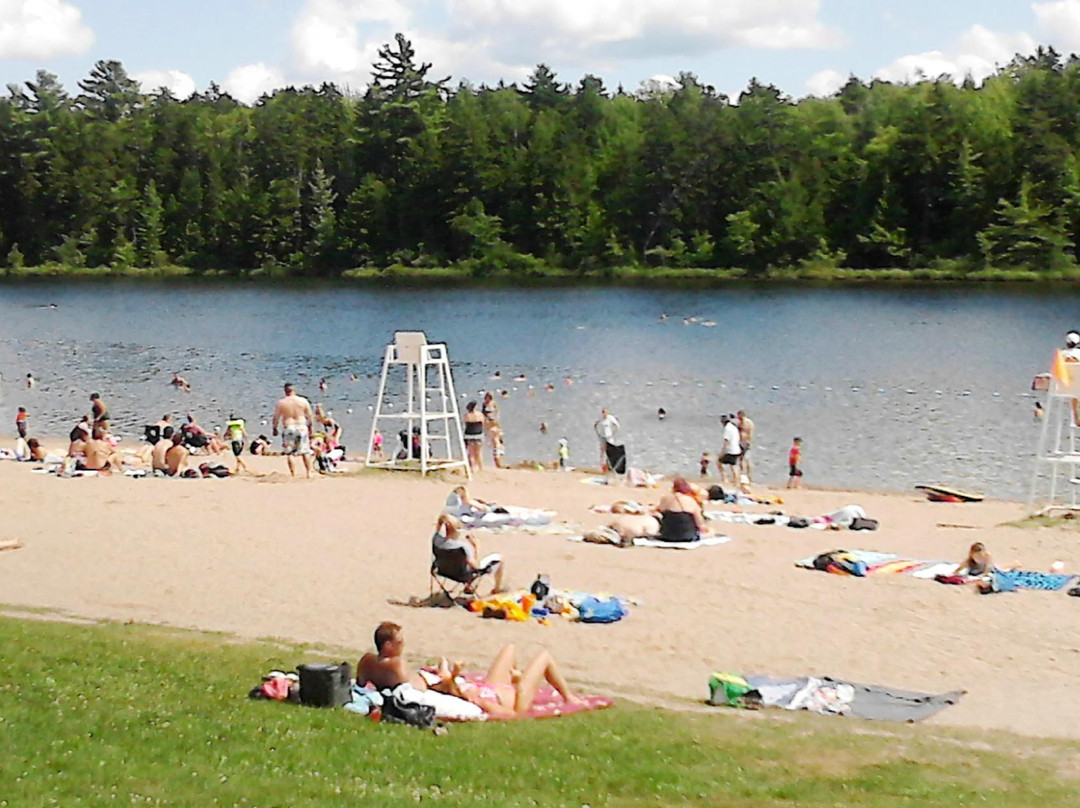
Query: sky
(804, 47)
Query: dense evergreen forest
(419, 174)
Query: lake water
(888, 387)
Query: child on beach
(794, 458)
(705, 460)
(22, 418)
(564, 454)
(376, 445)
(498, 446)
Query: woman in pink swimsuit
(505, 691)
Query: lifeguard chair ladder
(430, 407)
(1055, 483)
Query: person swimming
(661, 414)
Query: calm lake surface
(888, 387)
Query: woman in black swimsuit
(474, 435)
(681, 519)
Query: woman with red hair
(681, 518)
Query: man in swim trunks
(294, 414)
(746, 437)
(728, 457)
(100, 455)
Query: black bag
(863, 523)
(397, 710)
(716, 493)
(798, 521)
(324, 684)
(616, 457)
(541, 587)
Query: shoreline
(322, 562)
(692, 277)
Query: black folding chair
(452, 573)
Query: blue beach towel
(1012, 580)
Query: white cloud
(485, 40)
(249, 82)
(1059, 22)
(42, 29)
(541, 29)
(176, 82)
(826, 82)
(978, 52)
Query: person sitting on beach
(260, 446)
(450, 535)
(157, 455)
(977, 563)
(77, 441)
(681, 519)
(217, 444)
(100, 454)
(506, 691)
(460, 504)
(37, 451)
(176, 457)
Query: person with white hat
(1071, 352)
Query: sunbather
(450, 535)
(681, 519)
(977, 563)
(460, 504)
(505, 691)
(387, 668)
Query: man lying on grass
(504, 692)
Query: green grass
(121, 714)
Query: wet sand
(317, 561)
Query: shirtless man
(387, 668)
(176, 457)
(157, 456)
(100, 455)
(180, 383)
(746, 437)
(293, 412)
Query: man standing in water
(746, 437)
(294, 414)
(606, 430)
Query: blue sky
(252, 46)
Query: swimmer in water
(30, 381)
(543, 427)
(1038, 413)
(180, 383)
(661, 414)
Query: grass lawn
(115, 714)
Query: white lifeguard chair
(1055, 483)
(430, 408)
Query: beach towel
(508, 516)
(829, 696)
(861, 563)
(549, 704)
(1012, 580)
(704, 541)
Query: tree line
(414, 172)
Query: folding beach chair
(451, 572)
(616, 457)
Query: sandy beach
(317, 561)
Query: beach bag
(863, 523)
(541, 587)
(594, 610)
(398, 709)
(324, 684)
(798, 521)
(726, 689)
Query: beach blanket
(737, 518)
(861, 563)
(828, 696)
(704, 541)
